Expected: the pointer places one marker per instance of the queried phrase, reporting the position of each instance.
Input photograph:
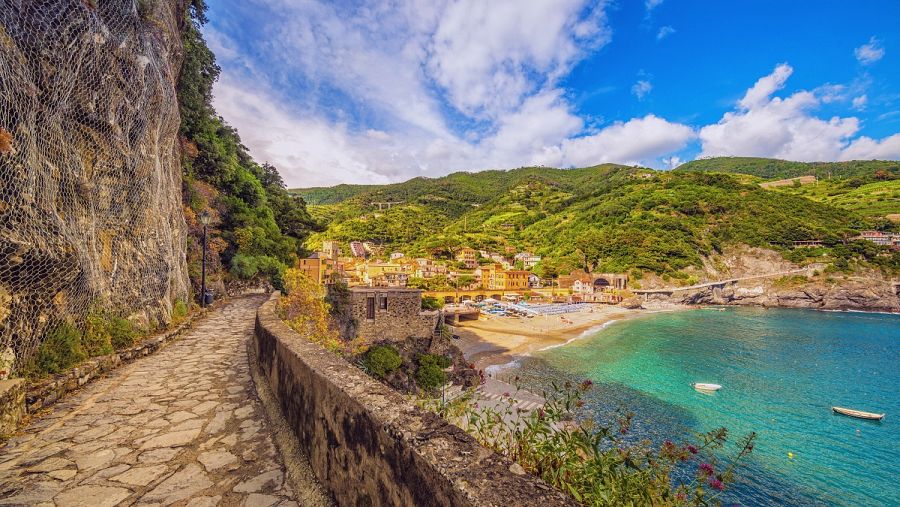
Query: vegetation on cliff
(258, 227)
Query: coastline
(492, 342)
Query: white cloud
(672, 162)
(785, 128)
(664, 32)
(859, 103)
(641, 88)
(652, 4)
(639, 140)
(869, 52)
(866, 148)
(487, 54)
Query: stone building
(390, 313)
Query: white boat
(859, 414)
(700, 386)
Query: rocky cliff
(90, 176)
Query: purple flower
(716, 484)
(707, 469)
(506, 394)
(692, 449)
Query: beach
(497, 340)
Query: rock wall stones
(384, 313)
(368, 445)
(90, 176)
(12, 405)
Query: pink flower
(716, 484)
(707, 469)
(586, 385)
(506, 394)
(680, 496)
(692, 449)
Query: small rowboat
(859, 414)
(706, 387)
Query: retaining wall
(369, 445)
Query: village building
(582, 287)
(317, 267)
(331, 249)
(397, 255)
(390, 314)
(529, 260)
(589, 283)
(534, 281)
(495, 277)
(390, 279)
(880, 238)
(468, 257)
(357, 249)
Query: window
(383, 303)
(370, 308)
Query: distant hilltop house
(390, 313)
(881, 238)
(397, 255)
(808, 243)
(357, 249)
(529, 260)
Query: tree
(589, 246)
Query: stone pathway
(183, 426)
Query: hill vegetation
(614, 218)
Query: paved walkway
(183, 426)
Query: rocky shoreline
(845, 294)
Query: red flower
(691, 449)
(707, 469)
(586, 385)
(716, 484)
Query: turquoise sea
(782, 371)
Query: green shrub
(60, 350)
(97, 340)
(122, 333)
(179, 312)
(381, 360)
(430, 374)
(244, 266)
(431, 303)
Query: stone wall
(369, 445)
(397, 314)
(12, 405)
(90, 174)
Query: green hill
(863, 186)
(625, 217)
(774, 169)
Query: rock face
(90, 176)
(842, 294)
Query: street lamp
(204, 219)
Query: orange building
(316, 268)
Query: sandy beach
(495, 340)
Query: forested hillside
(615, 216)
(257, 226)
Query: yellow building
(494, 277)
(316, 267)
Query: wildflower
(716, 484)
(707, 469)
(540, 413)
(680, 496)
(586, 385)
(506, 394)
(692, 449)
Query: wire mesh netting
(90, 178)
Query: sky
(386, 90)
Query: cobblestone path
(183, 426)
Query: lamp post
(204, 219)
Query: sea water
(781, 372)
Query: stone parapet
(369, 445)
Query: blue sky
(382, 91)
